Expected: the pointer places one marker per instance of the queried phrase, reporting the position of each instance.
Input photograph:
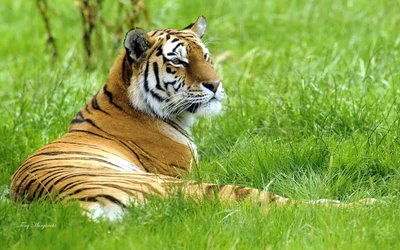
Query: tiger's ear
(136, 43)
(198, 27)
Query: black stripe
(88, 157)
(95, 104)
(44, 183)
(87, 132)
(242, 192)
(39, 168)
(176, 47)
(74, 121)
(185, 36)
(180, 34)
(165, 60)
(157, 96)
(110, 97)
(108, 197)
(99, 149)
(170, 71)
(158, 85)
(146, 80)
(77, 121)
(155, 68)
(94, 101)
(72, 184)
(172, 83)
(159, 50)
(79, 114)
(56, 154)
(146, 83)
(90, 154)
(87, 109)
(193, 107)
(135, 153)
(212, 189)
(84, 144)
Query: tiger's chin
(209, 109)
(187, 118)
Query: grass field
(313, 112)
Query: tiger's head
(174, 76)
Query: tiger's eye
(175, 61)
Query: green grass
(313, 112)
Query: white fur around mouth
(219, 94)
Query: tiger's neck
(185, 121)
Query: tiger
(132, 139)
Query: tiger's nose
(212, 85)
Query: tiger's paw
(337, 203)
(367, 201)
(323, 201)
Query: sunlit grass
(312, 112)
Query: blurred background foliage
(95, 22)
